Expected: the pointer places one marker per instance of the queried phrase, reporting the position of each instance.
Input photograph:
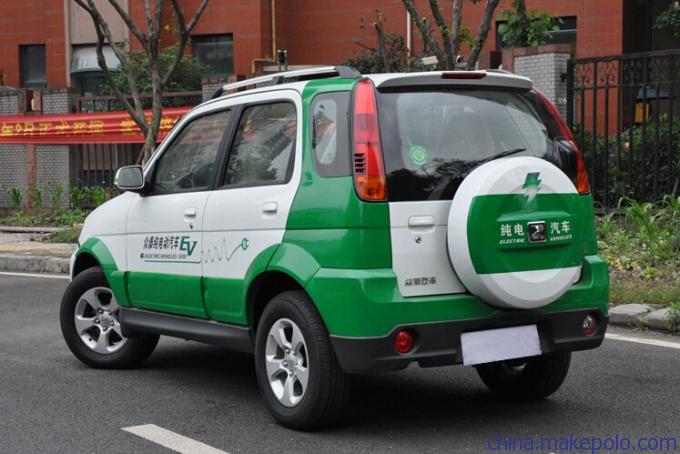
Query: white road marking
(640, 340)
(172, 440)
(47, 276)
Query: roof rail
(319, 72)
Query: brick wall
(53, 163)
(546, 66)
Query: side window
(330, 134)
(189, 161)
(264, 146)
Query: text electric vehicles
(332, 223)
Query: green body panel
(225, 299)
(366, 303)
(327, 219)
(97, 249)
(172, 293)
(117, 279)
(497, 232)
(295, 261)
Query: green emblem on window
(418, 154)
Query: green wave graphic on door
(223, 252)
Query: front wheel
(90, 326)
(526, 379)
(298, 375)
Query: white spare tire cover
(516, 232)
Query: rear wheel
(526, 379)
(299, 377)
(91, 329)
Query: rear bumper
(438, 343)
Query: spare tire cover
(516, 232)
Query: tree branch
(445, 32)
(128, 22)
(184, 35)
(456, 21)
(483, 32)
(104, 34)
(424, 32)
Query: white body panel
(107, 223)
(166, 216)
(240, 223)
(419, 255)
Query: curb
(642, 315)
(13, 229)
(34, 264)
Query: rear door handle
(270, 207)
(421, 221)
(190, 213)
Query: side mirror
(130, 178)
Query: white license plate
(500, 344)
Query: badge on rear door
(536, 231)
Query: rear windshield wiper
(502, 154)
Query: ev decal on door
(170, 249)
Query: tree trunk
(425, 32)
(482, 34)
(446, 33)
(456, 21)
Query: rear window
(433, 139)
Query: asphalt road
(50, 402)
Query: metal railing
(624, 112)
(109, 103)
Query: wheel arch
(289, 268)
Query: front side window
(264, 146)
(189, 161)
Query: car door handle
(190, 213)
(270, 207)
(421, 221)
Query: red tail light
(369, 171)
(582, 185)
(464, 75)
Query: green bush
(56, 196)
(98, 196)
(36, 195)
(644, 240)
(16, 198)
(529, 29)
(186, 77)
(631, 160)
(77, 197)
(674, 318)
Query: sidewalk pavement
(21, 250)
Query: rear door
(432, 138)
(248, 211)
(164, 250)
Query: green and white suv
(332, 223)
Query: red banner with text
(100, 127)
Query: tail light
(581, 182)
(464, 75)
(369, 171)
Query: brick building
(49, 43)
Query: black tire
(328, 387)
(131, 353)
(530, 379)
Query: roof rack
(319, 72)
